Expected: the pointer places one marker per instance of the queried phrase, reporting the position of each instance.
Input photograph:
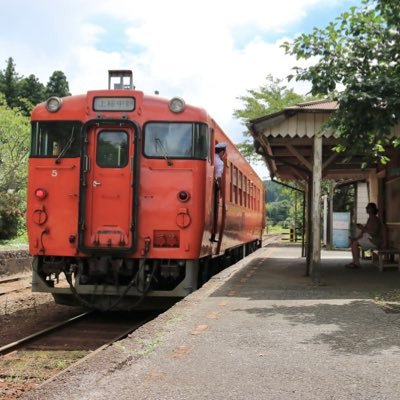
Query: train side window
(235, 191)
(240, 186)
(251, 195)
(230, 183)
(112, 149)
(248, 193)
(210, 147)
(201, 148)
(245, 191)
(56, 139)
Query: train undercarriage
(121, 283)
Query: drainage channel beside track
(29, 362)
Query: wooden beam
(298, 174)
(296, 141)
(269, 152)
(280, 151)
(329, 161)
(381, 174)
(299, 156)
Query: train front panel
(118, 198)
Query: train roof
(77, 106)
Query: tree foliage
(284, 206)
(267, 99)
(32, 90)
(358, 64)
(271, 97)
(18, 95)
(14, 149)
(57, 85)
(9, 83)
(25, 93)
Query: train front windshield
(56, 139)
(176, 140)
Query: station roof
(285, 140)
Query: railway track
(28, 362)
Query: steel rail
(15, 345)
(92, 354)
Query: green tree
(267, 99)
(358, 64)
(9, 83)
(14, 149)
(57, 85)
(272, 97)
(32, 90)
(278, 212)
(274, 192)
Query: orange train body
(121, 200)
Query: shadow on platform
(281, 275)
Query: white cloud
(209, 52)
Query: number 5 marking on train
(54, 173)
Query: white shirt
(219, 166)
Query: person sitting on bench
(369, 237)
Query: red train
(121, 193)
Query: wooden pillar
(309, 227)
(316, 209)
(373, 187)
(329, 245)
(325, 217)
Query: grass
(18, 243)
(277, 229)
(389, 300)
(36, 365)
(392, 296)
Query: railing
(293, 235)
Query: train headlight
(176, 105)
(53, 104)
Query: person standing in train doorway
(220, 149)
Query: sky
(208, 52)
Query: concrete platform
(258, 330)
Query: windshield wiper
(67, 147)
(169, 162)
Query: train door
(107, 208)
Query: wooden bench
(386, 258)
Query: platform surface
(258, 330)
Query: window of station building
(112, 149)
(176, 140)
(60, 139)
